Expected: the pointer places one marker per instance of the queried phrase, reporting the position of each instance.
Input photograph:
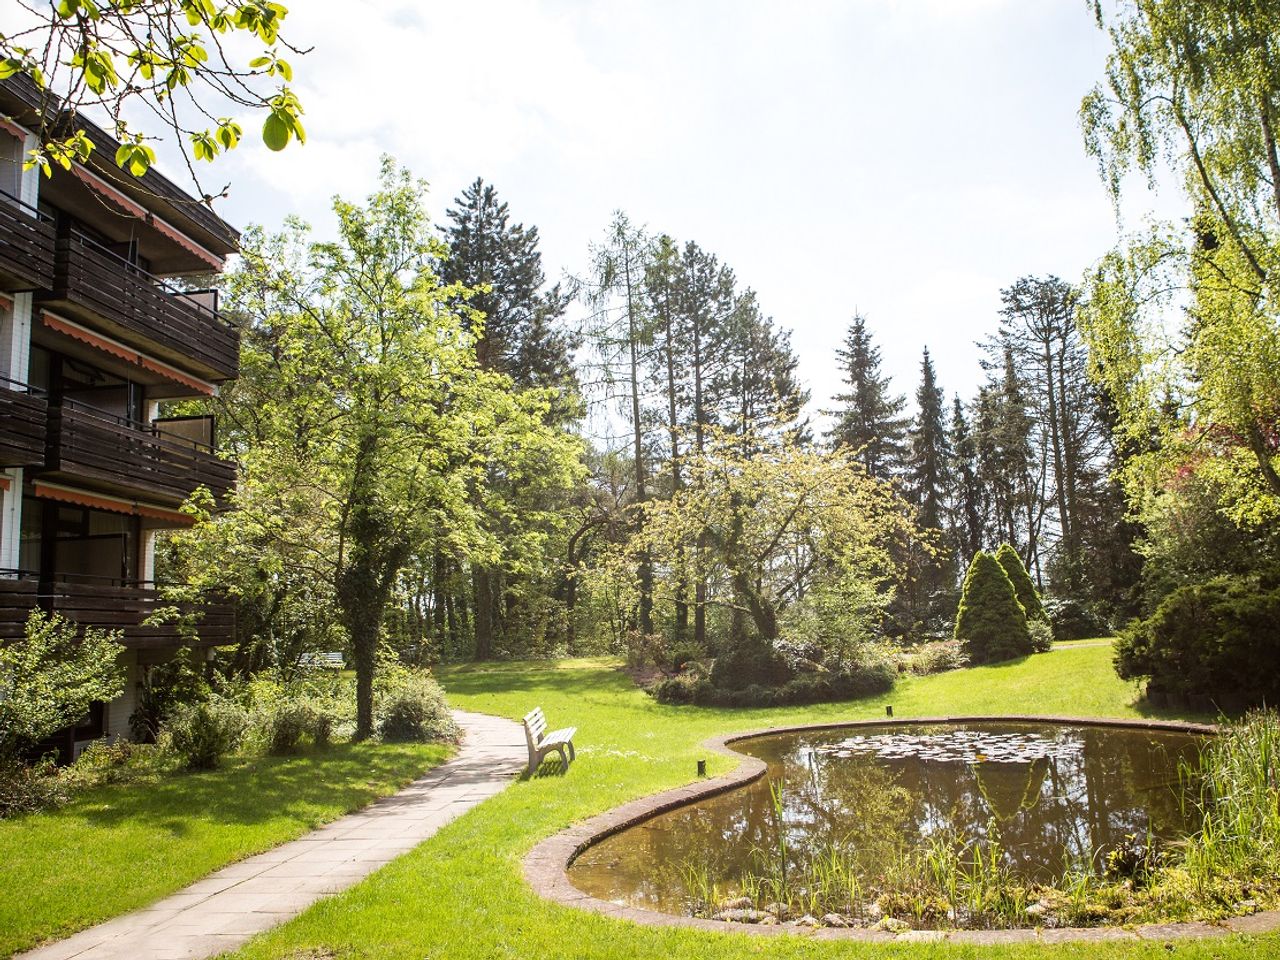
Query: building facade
(105, 314)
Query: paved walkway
(228, 907)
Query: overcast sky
(903, 158)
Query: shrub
(413, 708)
(50, 677)
(990, 624)
(1023, 587)
(1041, 636)
(29, 787)
(935, 657)
(164, 687)
(749, 662)
(1072, 620)
(874, 674)
(1209, 643)
(120, 761)
(201, 734)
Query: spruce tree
(522, 336)
(968, 497)
(990, 623)
(870, 417)
(929, 454)
(1025, 590)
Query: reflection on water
(1056, 794)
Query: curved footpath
(229, 906)
(546, 866)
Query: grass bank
(116, 848)
(460, 896)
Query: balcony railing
(89, 446)
(114, 607)
(27, 240)
(105, 290)
(23, 415)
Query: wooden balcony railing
(110, 607)
(105, 290)
(87, 446)
(27, 241)
(23, 415)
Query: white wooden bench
(540, 743)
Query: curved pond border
(546, 865)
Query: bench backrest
(535, 725)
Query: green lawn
(460, 895)
(117, 848)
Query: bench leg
(572, 753)
(564, 758)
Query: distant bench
(331, 660)
(540, 743)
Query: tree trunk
(645, 572)
(484, 605)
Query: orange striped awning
(118, 349)
(101, 501)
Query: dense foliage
(1209, 644)
(1023, 588)
(49, 679)
(991, 623)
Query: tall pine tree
(521, 337)
(870, 417)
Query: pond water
(1052, 795)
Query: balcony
(103, 290)
(114, 607)
(88, 447)
(27, 241)
(23, 413)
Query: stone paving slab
(226, 908)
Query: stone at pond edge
(741, 916)
(736, 903)
(808, 920)
(892, 925)
(834, 920)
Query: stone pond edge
(546, 865)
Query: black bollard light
(702, 768)
(888, 710)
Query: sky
(905, 159)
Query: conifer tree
(521, 337)
(929, 452)
(991, 624)
(968, 498)
(870, 417)
(1025, 590)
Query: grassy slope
(117, 848)
(460, 895)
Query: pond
(1043, 797)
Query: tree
(498, 267)
(991, 624)
(177, 63)
(50, 678)
(1023, 588)
(869, 419)
(376, 421)
(968, 504)
(790, 535)
(620, 332)
(1194, 88)
(927, 598)
(928, 473)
